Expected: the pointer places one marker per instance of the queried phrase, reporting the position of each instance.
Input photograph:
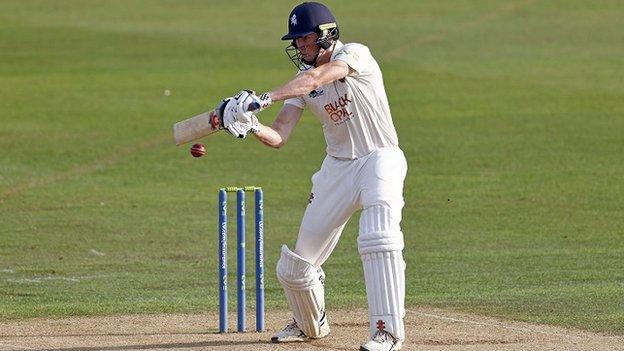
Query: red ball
(198, 150)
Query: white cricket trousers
(340, 188)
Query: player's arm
(308, 81)
(277, 134)
(305, 82)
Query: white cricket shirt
(354, 111)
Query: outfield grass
(511, 115)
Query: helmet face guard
(308, 18)
(327, 37)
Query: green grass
(510, 113)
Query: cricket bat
(200, 126)
(196, 127)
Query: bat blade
(195, 128)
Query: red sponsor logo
(338, 110)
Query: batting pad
(384, 273)
(304, 288)
(380, 230)
(380, 243)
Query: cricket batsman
(364, 170)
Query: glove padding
(238, 129)
(246, 104)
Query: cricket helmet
(307, 18)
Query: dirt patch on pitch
(427, 329)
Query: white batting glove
(237, 108)
(238, 129)
(254, 103)
(249, 104)
(241, 130)
(237, 113)
(227, 119)
(254, 125)
(224, 119)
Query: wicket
(240, 257)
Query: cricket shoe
(292, 333)
(382, 341)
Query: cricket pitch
(426, 328)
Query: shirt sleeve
(357, 56)
(297, 101)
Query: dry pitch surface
(427, 329)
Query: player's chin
(308, 58)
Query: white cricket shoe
(292, 333)
(382, 341)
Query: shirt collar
(337, 47)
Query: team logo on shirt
(316, 93)
(338, 110)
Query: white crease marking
(483, 324)
(50, 278)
